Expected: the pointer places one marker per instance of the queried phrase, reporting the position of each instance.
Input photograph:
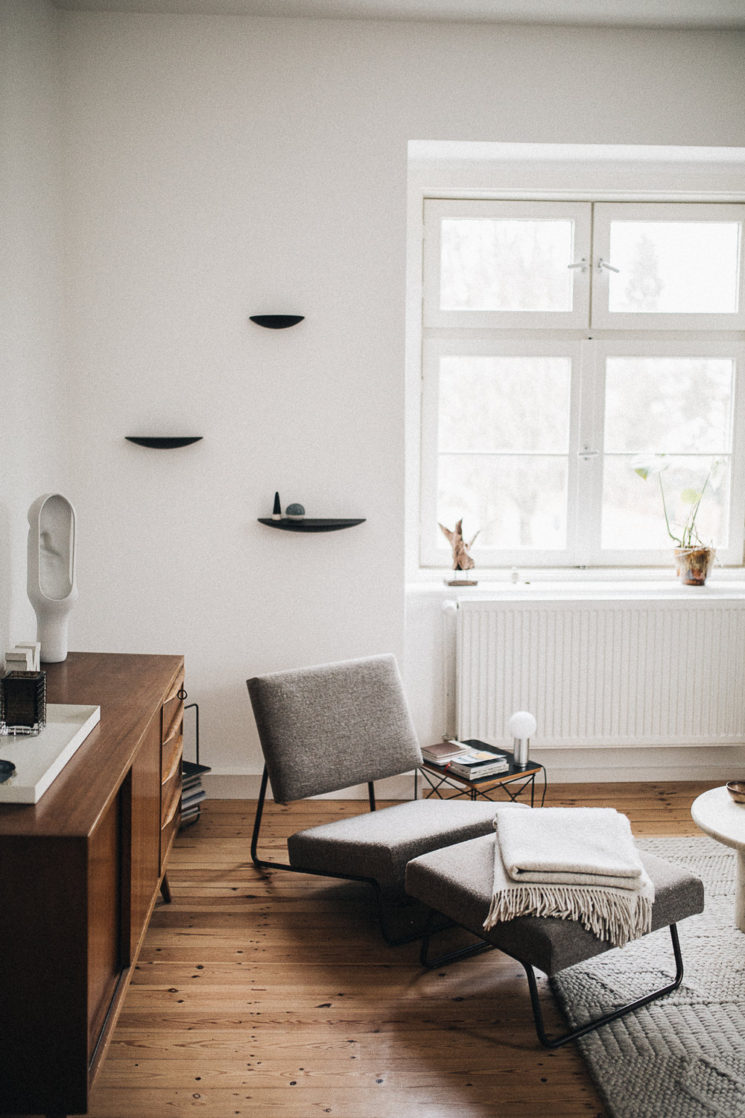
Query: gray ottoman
(457, 882)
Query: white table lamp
(521, 726)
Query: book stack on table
(469, 761)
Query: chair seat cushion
(378, 844)
(457, 882)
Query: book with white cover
(481, 769)
(38, 760)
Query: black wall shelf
(277, 321)
(163, 442)
(309, 524)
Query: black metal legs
(260, 862)
(449, 956)
(383, 904)
(573, 1034)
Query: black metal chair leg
(447, 956)
(257, 822)
(423, 928)
(574, 1034)
(262, 863)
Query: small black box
(23, 702)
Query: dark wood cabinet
(80, 872)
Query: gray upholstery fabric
(457, 881)
(329, 727)
(378, 844)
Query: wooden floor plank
(274, 993)
(466, 1099)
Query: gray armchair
(327, 728)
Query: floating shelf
(277, 321)
(163, 442)
(309, 524)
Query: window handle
(586, 453)
(603, 265)
(581, 264)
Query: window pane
(513, 502)
(515, 264)
(674, 267)
(669, 405)
(491, 404)
(633, 515)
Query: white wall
(32, 399)
(217, 167)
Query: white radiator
(666, 671)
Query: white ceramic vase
(51, 585)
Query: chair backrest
(328, 727)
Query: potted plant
(693, 557)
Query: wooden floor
(274, 994)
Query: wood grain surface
(274, 994)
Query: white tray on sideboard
(38, 760)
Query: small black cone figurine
(277, 510)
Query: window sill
(601, 585)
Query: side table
(440, 776)
(716, 813)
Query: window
(563, 340)
(505, 263)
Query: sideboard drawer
(170, 787)
(170, 825)
(173, 712)
(171, 753)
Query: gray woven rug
(684, 1055)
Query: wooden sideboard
(80, 873)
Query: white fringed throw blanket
(575, 864)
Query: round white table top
(717, 813)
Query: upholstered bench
(457, 882)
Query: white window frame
(550, 173)
(585, 447)
(605, 319)
(595, 353)
(432, 550)
(438, 209)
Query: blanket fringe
(606, 915)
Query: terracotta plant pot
(692, 564)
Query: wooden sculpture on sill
(462, 561)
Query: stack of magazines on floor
(192, 792)
(472, 759)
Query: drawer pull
(172, 811)
(175, 766)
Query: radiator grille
(603, 673)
